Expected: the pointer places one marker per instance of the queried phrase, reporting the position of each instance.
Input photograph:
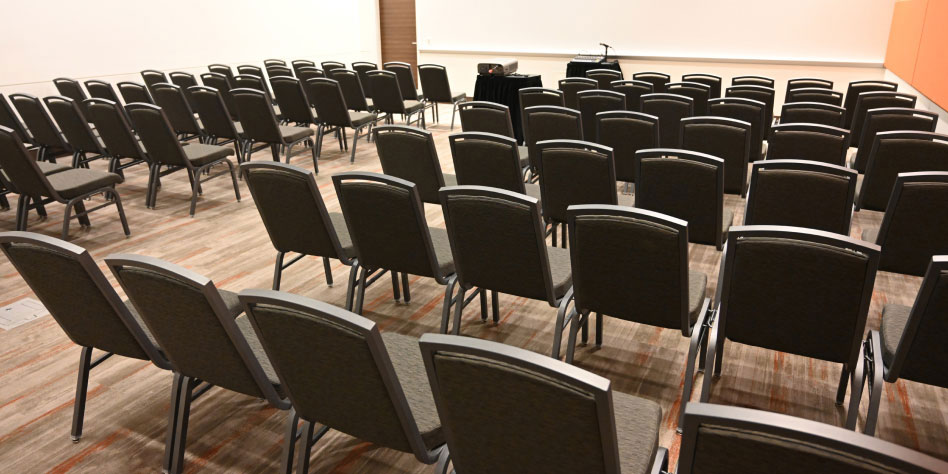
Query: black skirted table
(506, 90)
(579, 68)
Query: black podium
(579, 68)
(506, 90)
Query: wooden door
(397, 30)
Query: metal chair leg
(843, 383)
(397, 294)
(82, 386)
(446, 306)
(289, 442)
(458, 309)
(454, 111)
(172, 420)
(350, 290)
(278, 271)
(576, 320)
(483, 304)
(355, 141)
(328, 271)
(406, 293)
(181, 426)
(360, 290)
(121, 212)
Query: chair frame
(134, 86)
(115, 160)
(814, 128)
(653, 74)
(756, 151)
(275, 147)
(909, 100)
(878, 85)
(340, 130)
(865, 140)
(483, 104)
(837, 97)
(389, 120)
(813, 105)
(43, 149)
(752, 80)
(238, 142)
(729, 122)
(434, 105)
(616, 76)
(895, 135)
(79, 156)
(502, 140)
(629, 115)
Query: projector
(498, 67)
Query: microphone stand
(605, 57)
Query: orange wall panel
(931, 67)
(907, 24)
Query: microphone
(606, 45)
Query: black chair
(43, 131)
(223, 85)
(436, 90)
(858, 87)
(251, 70)
(301, 63)
(406, 79)
(273, 62)
(275, 70)
(670, 109)
(807, 83)
(761, 81)
(295, 106)
(604, 77)
(626, 132)
(534, 96)
(334, 114)
(409, 153)
(898, 152)
(549, 123)
(710, 80)
(115, 130)
(9, 119)
(889, 119)
(174, 102)
(808, 141)
(591, 102)
(223, 70)
(877, 100)
(774, 292)
(758, 93)
(801, 193)
(656, 79)
(330, 65)
(134, 92)
(572, 85)
(260, 125)
(216, 119)
(388, 98)
(491, 117)
(68, 88)
(185, 81)
(814, 94)
(813, 113)
(362, 68)
(352, 89)
(489, 159)
(745, 110)
(725, 138)
(305, 73)
(687, 185)
(152, 77)
(102, 90)
(85, 145)
(253, 81)
(633, 90)
(698, 92)
(528, 408)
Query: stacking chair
(534, 96)
(888, 119)
(85, 145)
(114, 128)
(899, 152)
(362, 68)
(713, 82)
(806, 83)
(687, 185)
(174, 103)
(910, 344)
(491, 117)
(489, 159)
(745, 110)
(813, 112)
(814, 94)
(305, 227)
(355, 379)
(70, 187)
(185, 81)
(699, 93)
(877, 100)
(387, 98)
(758, 93)
(352, 90)
(725, 138)
(732, 439)
(330, 65)
(511, 258)
(656, 79)
(134, 92)
(295, 106)
(223, 70)
(152, 77)
(752, 81)
(9, 119)
(301, 63)
(604, 77)
(61, 275)
(389, 232)
(409, 153)
(858, 87)
(102, 90)
(275, 70)
(774, 292)
(406, 79)
(572, 85)
(254, 81)
(633, 90)
(260, 125)
(437, 90)
(70, 88)
(913, 228)
(202, 332)
(306, 73)
(670, 109)
(808, 141)
(527, 409)
(216, 119)
(591, 102)
(626, 132)
(273, 62)
(334, 113)
(549, 123)
(223, 85)
(249, 69)
(43, 131)
(801, 193)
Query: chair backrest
(888, 119)
(899, 152)
(808, 141)
(70, 285)
(294, 104)
(152, 77)
(301, 63)
(223, 85)
(807, 83)
(670, 109)
(174, 102)
(710, 80)
(633, 90)
(9, 119)
(134, 92)
(214, 113)
(305, 73)
(248, 69)
(386, 222)
(223, 70)
(518, 263)
(20, 168)
(330, 65)
(801, 194)
(656, 79)
(534, 96)
(386, 93)
(327, 97)
(746, 110)
(699, 93)
(193, 324)
(157, 135)
(556, 405)
(112, 123)
(814, 94)
(725, 138)
(101, 90)
(775, 291)
(877, 100)
(256, 115)
(362, 68)
(38, 121)
(273, 62)
(631, 264)
(858, 87)
(275, 70)
(591, 102)
(487, 159)
(347, 382)
(185, 81)
(409, 153)
(550, 123)
(683, 184)
(915, 225)
(571, 85)
(719, 438)
(487, 117)
(250, 81)
(574, 172)
(351, 86)
(758, 93)
(812, 112)
(70, 88)
(434, 82)
(73, 123)
(406, 79)
(626, 132)
(604, 77)
(303, 227)
(752, 81)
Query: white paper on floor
(21, 312)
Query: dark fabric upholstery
(386, 94)
(112, 126)
(538, 96)
(922, 362)
(487, 163)
(669, 113)
(810, 94)
(626, 135)
(76, 182)
(750, 112)
(807, 145)
(51, 168)
(589, 105)
(200, 154)
(725, 141)
(331, 106)
(856, 88)
(760, 94)
(818, 115)
(68, 88)
(800, 198)
(637, 424)
(434, 83)
(895, 156)
(215, 116)
(918, 228)
(410, 369)
(658, 80)
(133, 92)
(157, 136)
(291, 134)
(876, 100)
(886, 122)
(17, 167)
(684, 189)
(698, 94)
(223, 85)
(633, 94)
(406, 79)
(352, 89)
(361, 118)
(38, 122)
(293, 103)
(102, 90)
(412, 157)
(73, 125)
(485, 119)
(246, 329)
(604, 77)
(815, 311)
(173, 102)
(546, 125)
(571, 86)
(571, 176)
(257, 117)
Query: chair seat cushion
(727, 220)
(524, 156)
(412, 106)
(894, 319)
(342, 233)
(200, 154)
(870, 235)
(637, 424)
(560, 269)
(361, 118)
(626, 200)
(246, 329)
(859, 179)
(458, 97)
(292, 134)
(410, 369)
(141, 322)
(442, 249)
(450, 179)
(51, 168)
(533, 190)
(76, 182)
(697, 288)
